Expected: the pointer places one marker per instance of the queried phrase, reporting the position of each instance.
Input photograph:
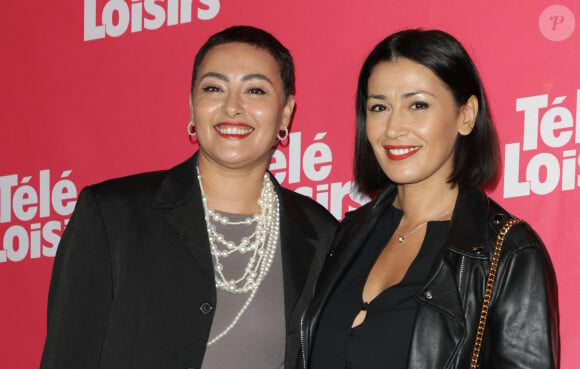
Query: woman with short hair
(209, 264)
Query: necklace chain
(402, 237)
(261, 245)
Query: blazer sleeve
(80, 293)
(524, 323)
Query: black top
(385, 334)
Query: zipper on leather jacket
(460, 275)
(302, 343)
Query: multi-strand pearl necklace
(261, 244)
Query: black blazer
(133, 283)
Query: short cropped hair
(476, 156)
(255, 37)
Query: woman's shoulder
(178, 178)
(359, 215)
(372, 209)
(296, 204)
(520, 236)
(128, 187)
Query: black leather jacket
(522, 325)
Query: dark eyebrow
(378, 97)
(215, 75)
(413, 93)
(406, 95)
(262, 77)
(246, 77)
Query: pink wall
(82, 103)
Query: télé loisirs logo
(547, 159)
(117, 17)
(33, 214)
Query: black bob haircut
(476, 156)
(255, 37)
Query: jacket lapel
(332, 271)
(179, 201)
(297, 242)
(439, 305)
(469, 222)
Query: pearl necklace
(261, 244)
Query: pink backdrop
(95, 89)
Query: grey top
(257, 340)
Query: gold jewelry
(489, 289)
(404, 236)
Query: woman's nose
(396, 126)
(233, 105)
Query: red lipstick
(234, 130)
(400, 152)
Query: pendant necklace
(404, 236)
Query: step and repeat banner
(95, 89)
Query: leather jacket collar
(474, 224)
(470, 220)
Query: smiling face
(413, 121)
(238, 106)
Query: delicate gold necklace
(404, 236)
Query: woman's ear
(288, 111)
(468, 115)
(191, 108)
